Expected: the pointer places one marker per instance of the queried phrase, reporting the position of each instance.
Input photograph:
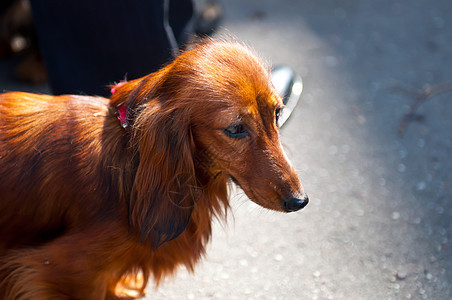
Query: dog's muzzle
(294, 204)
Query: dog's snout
(294, 204)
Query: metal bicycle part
(290, 86)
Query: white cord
(169, 31)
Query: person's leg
(89, 44)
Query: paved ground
(379, 222)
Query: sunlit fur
(89, 209)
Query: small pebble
(278, 257)
(421, 186)
(345, 149)
(401, 275)
(331, 61)
(395, 215)
(439, 210)
(360, 119)
(332, 150)
(421, 143)
(243, 262)
(402, 153)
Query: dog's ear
(163, 194)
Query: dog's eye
(237, 131)
(277, 114)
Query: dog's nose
(294, 204)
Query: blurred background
(377, 167)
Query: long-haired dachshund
(91, 206)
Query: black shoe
(208, 17)
(289, 85)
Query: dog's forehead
(264, 105)
(258, 107)
(231, 62)
(253, 97)
(237, 80)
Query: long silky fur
(90, 209)
(71, 156)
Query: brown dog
(89, 202)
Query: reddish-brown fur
(86, 204)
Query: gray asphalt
(379, 222)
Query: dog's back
(45, 145)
